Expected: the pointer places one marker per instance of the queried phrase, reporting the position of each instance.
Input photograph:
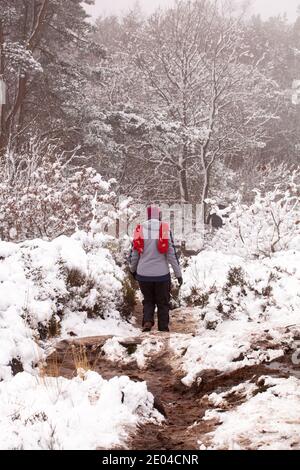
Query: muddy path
(182, 407)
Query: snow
(144, 352)
(207, 269)
(257, 309)
(83, 413)
(73, 255)
(19, 56)
(245, 312)
(72, 281)
(266, 421)
(81, 326)
(269, 225)
(220, 350)
(65, 279)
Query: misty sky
(264, 7)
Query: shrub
(129, 298)
(235, 277)
(16, 365)
(75, 278)
(43, 194)
(197, 298)
(49, 329)
(268, 225)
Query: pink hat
(153, 212)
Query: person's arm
(134, 258)
(173, 258)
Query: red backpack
(162, 243)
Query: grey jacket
(152, 265)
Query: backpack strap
(163, 241)
(138, 239)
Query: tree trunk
(21, 93)
(206, 168)
(14, 116)
(184, 192)
(205, 193)
(2, 106)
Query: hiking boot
(164, 329)
(147, 327)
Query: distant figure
(152, 252)
(215, 220)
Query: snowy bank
(70, 285)
(241, 304)
(82, 413)
(267, 420)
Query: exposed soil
(182, 407)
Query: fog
(265, 7)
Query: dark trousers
(156, 294)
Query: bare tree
(197, 66)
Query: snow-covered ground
(145, 351)
(245, 312)
(82, 326)
(246, 319)
(267, 420)
(249, 317)
(49, 291)
(254, 305)
(86, 412)
(70, 285)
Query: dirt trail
(182, 407)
